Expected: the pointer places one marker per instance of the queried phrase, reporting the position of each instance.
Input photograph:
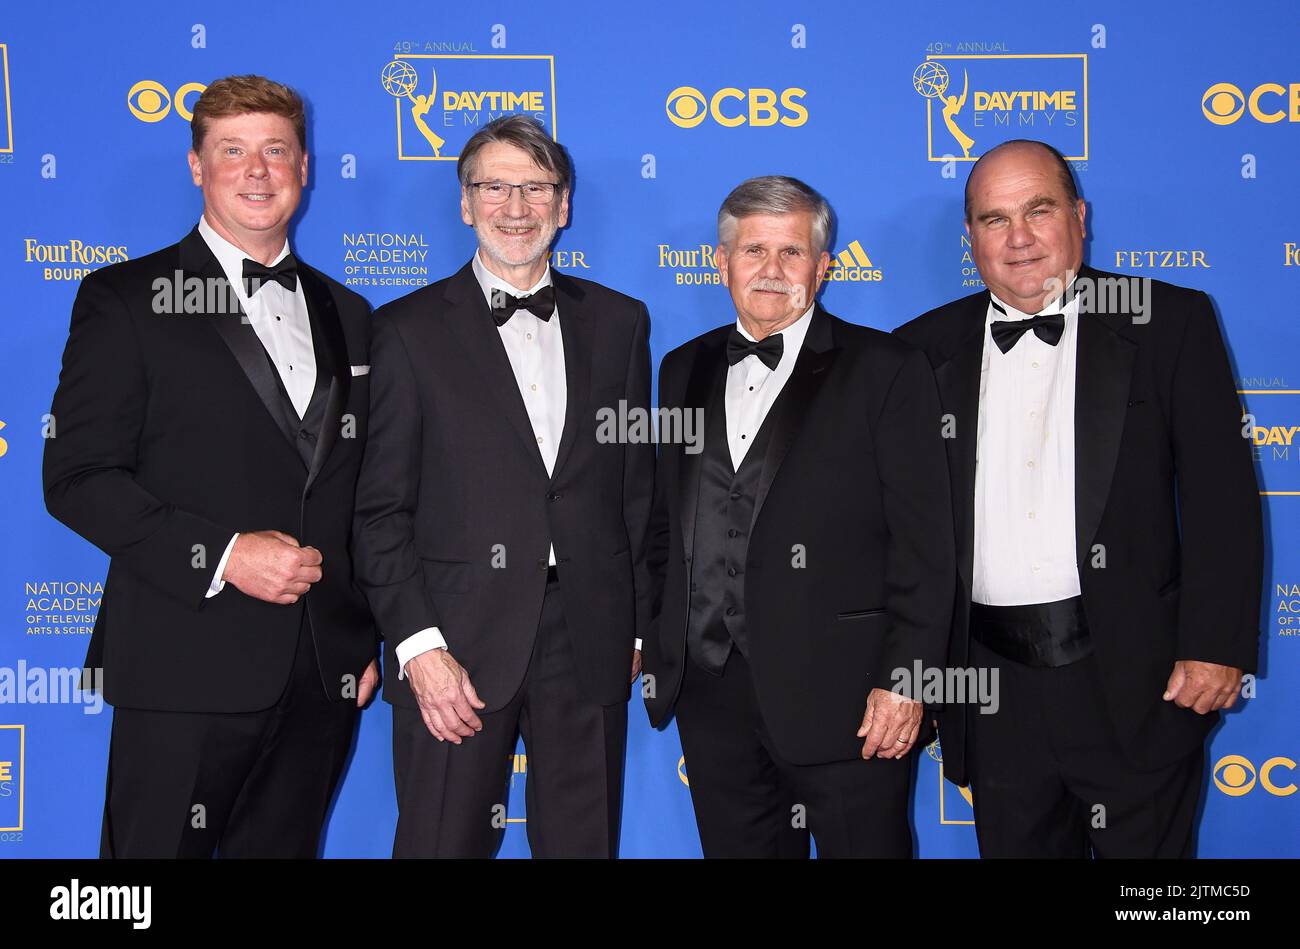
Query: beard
(513, 251)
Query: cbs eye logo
(687, 107)
(150, 101)
(1235, 776)
(1224, 103)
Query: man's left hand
(1203, 687)
(890, 725)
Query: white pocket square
(360, 370)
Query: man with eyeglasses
(498, 539)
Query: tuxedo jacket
(455, 510)
(1169, 540)
(170, 436)
(853, 477)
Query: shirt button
(731, 611)
(1030, 464)
(530, 336)
(1033, 414)
(539, 439)
(1031, 515)
(1034, 364)
(533, 387)
(1035, 568)
(278, 317)
(735, 495)
(742, 437)
(731, 571)
(732, 532)
(751, 388)
(291, 368)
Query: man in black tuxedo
(1109, 536)
(500, 539)
(209, 423)
(803, 558)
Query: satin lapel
(791, 406)
(198, 260)
(959, 391)
(576, 329)
(703, 391)
(1103, 375)
(482, 344)
(331, 350)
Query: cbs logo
(1223, 103)
(150, 101)
(1235, 776)
(687, 107)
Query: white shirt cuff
(637, 647)
(412, 646)
(218, 584)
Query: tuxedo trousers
(1049, 778)
(751, 803)
(452, 800)
(240, 784)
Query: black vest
(725, 510)
(303, 432)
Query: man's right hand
(270, 566)
(445, 695)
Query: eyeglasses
(498, 192)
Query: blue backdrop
(1182, 120)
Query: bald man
(1109, 537)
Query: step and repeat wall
(1181, 120)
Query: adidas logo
(852, 265)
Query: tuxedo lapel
(331, 358)
(791, 406)
(958, 378)
(236, 332)
(575, 332)
(1103, 375)
(704, 389)
(472, 322)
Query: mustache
(770, 285)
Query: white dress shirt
(535, 348)
(1024, 474)
(752, 387)
(279, 318)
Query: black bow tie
(285, 273)
(769, 350)
(1046, 326)
(541, 304)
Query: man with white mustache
(499, 541)
(802, 557)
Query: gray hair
(775, 194)
(523, 132)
